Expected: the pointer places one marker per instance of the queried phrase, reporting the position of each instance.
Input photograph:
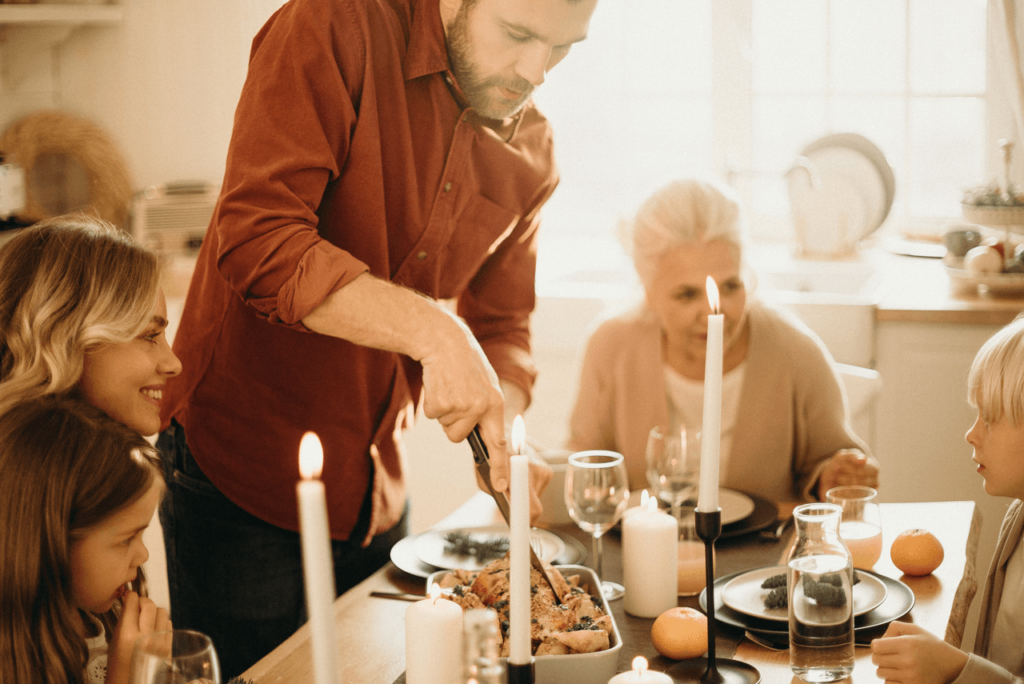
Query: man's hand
(139, 616)
(461, 391)
(460, 387)
(909, 654)
(848, 467)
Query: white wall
(164, 83)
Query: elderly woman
(784, 430)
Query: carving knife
(483, 468)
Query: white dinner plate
(431, 547)
(735, 505)
(745, 595)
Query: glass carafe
(481, 643)
(820, 596)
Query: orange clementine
(916, 552)
(680, 633)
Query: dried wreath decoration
(54, 132)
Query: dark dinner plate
(765, 513)
(899, 599)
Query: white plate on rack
(745, 595)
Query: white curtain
(1008, 31)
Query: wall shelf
(53, 15)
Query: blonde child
(81, 311)
(907, 653)
(77, 489)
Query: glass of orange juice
(692, 574)
(861, 524)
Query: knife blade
(483, 468)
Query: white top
(686, 406)
(96, 665)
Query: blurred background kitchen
(850, 128)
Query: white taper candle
(711, 430)
(317, 566)
(520, 651)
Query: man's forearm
(375, 313)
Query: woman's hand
(909, 654)
(848, 467)
(139, 615)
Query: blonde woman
(784, 431)
(81, 311)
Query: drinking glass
(672, 469)
(180, 656)
(691, 570)
(861, 525)
(596, 495)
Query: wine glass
(861, 523)
(180, 656)
(672, 470)
(596, 495)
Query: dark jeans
(235, 577)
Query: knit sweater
(791, 414)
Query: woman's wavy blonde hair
(67, 284)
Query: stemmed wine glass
(672, 470)
(596, 495)
(180, 656)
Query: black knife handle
(476, 442)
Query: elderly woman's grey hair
(681, 213)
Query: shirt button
(421, 256)
(448, 186)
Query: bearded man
(386, 156)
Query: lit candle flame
(639, 666)
(435, 591)
(652, 504)
(713, 298)
(644, 498)
(311, 456)
(518, 435)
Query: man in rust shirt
(385, 156)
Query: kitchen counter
(918, 290)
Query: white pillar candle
(649, 561)
(317, 566)
(520, 649)
(433, 640)
(711, 430)
(640, 674)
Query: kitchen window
(734, 89)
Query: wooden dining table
(371, 630)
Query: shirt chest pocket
(478, 230)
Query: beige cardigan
(979, 670)
(791, 413)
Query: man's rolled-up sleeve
(291, 137)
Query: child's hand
(909, 654)
(139, 616)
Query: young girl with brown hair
(77, 489)
(81, 310)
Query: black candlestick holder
(713, 670)
(521, 674)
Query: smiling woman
(81, 310)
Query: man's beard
(475, 87)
